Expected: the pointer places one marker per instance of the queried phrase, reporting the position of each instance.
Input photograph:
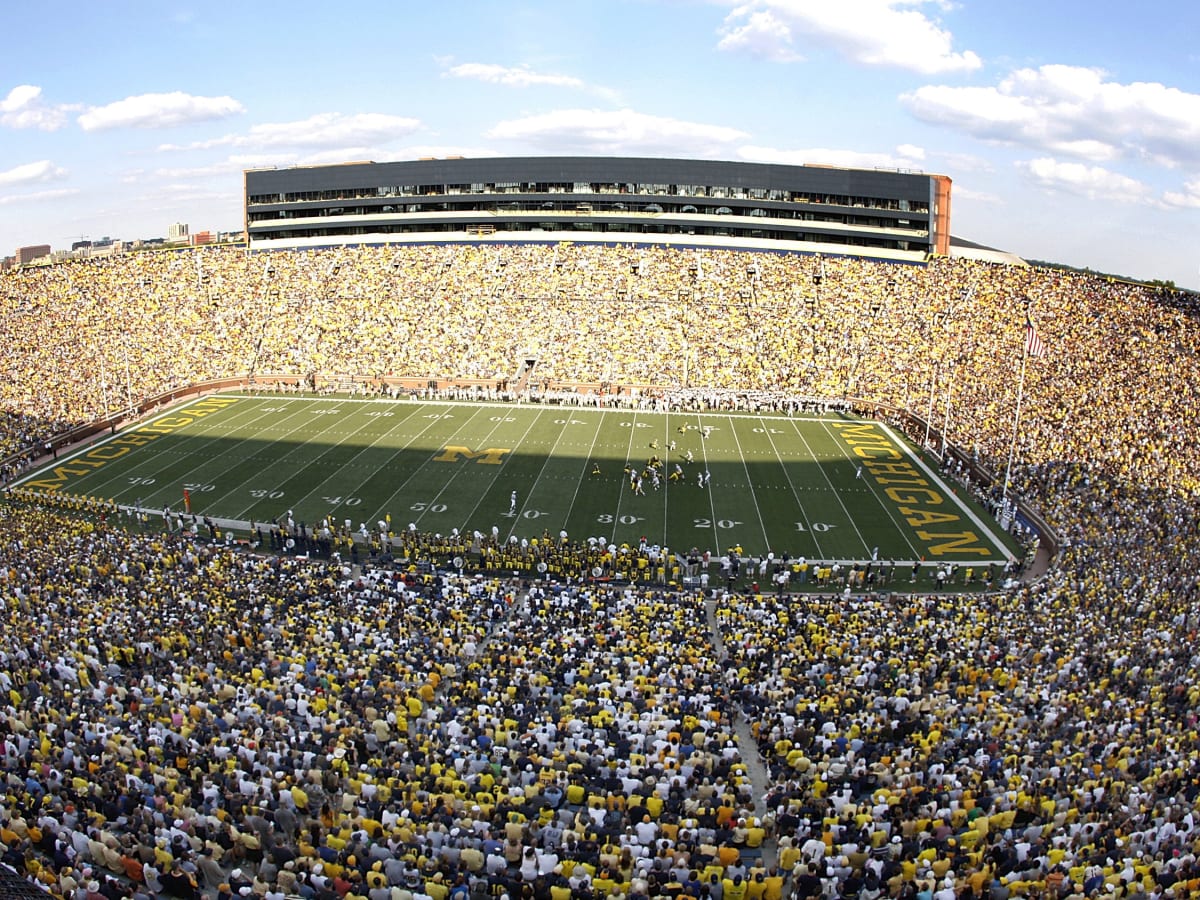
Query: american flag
(1034, 345)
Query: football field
(823, 487)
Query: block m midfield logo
(492, 456)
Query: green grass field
(828, 488)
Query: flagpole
(1012, 449)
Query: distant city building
(26, 255)
(94, 248)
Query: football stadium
(622, 537)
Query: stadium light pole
(847, 360)
(686, 298)
(965, 297)
(104, 385)
(883, 307)
(1012, 447)
(958, 361)
(933, 376)
(813, 310)
(128, 377)
(874, 311)
(941, 319)
(929, 413)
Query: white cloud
(158, 111)
(966, 193)
(240, 161)
(522, 76)
(185, 191)
(963, 162)
(1093, 182)
(237, 162)
(509, 76)
(906, 157)
(759, 32)
(1188, 199)
(332, 130)
(23, 108)
(329, 130)
(33, 173)
(37, 196)
(386, 154)
(226, 167)
(1073, 111)
(895, 33)
(617, 132)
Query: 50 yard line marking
(450, 480)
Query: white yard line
(587, 459)
(901, 527)
(788, 475)
(966, 510)
(834, 490)
(750, 485)
(537, 479)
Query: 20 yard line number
(819, 527)
(720, 523)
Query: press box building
(880, 213)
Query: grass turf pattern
(826, 488)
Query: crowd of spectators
(178, 717)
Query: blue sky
(1071, 129)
